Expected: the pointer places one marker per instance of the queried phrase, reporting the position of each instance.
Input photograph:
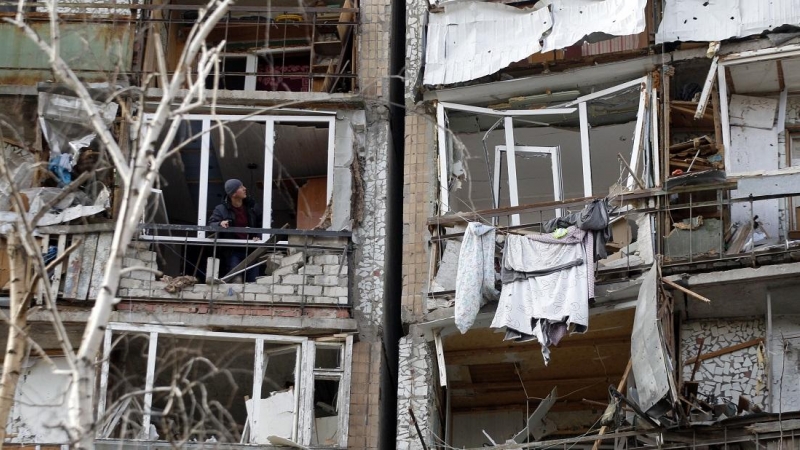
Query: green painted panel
(93, 50)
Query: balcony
(298, 272)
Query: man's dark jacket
(224, 211)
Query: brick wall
(418, 204)
(302, 277)
(373, 48)
(364, 395)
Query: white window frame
(304, 373)
(269, 144)
(578, 105)
(511, 166)
(251, 67)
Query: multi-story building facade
(682, 116)
(196, 351)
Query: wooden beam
(684, 290)
(546, 382)
(455, 356)
(724, 351)
(454, 219)
(620, 387)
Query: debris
(692, 223)
(176, 284)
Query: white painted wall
(41, 404)
(754, 148)
(784, 358)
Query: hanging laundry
(547, 284)
(593, 217)
(475, 276)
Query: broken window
(329, 395)
(305, 47)
(581, 148)
(285, 162)
(176, 384)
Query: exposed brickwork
(233, 310)
(299, 278)
(364, 396)
(418, 204)
(373, 48)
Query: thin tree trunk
(17, 330)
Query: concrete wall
(369, 233)
(416, 390)
(785, 363)
(738, 373)
(40, 405)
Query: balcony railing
(293, 268)
(689, 228)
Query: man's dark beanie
(232, 186)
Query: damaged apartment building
(601, 225)
(197, 351)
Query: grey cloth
(232, 186)
(593, 217)
(546, 332)
(510, 275)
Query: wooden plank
(620, 387)
(685, 291)
(73, 272)
(717, 123)
(100, 261)
(305, 414)
(772, 427)
(344, 389)
(87, 264)
(454, 219)
(725, 350)
(437, 340)
(59, 269)
(42, 284)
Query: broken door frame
(578, 105)
(304, 372)
(269, 144)
(744, 58)
(513, 192)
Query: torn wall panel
(754, 112)
(471, 40)
(647, 346)
(575, 19)
(715, 20)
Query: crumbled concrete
(445, 279)
(346, 138)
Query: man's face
(240, 193)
